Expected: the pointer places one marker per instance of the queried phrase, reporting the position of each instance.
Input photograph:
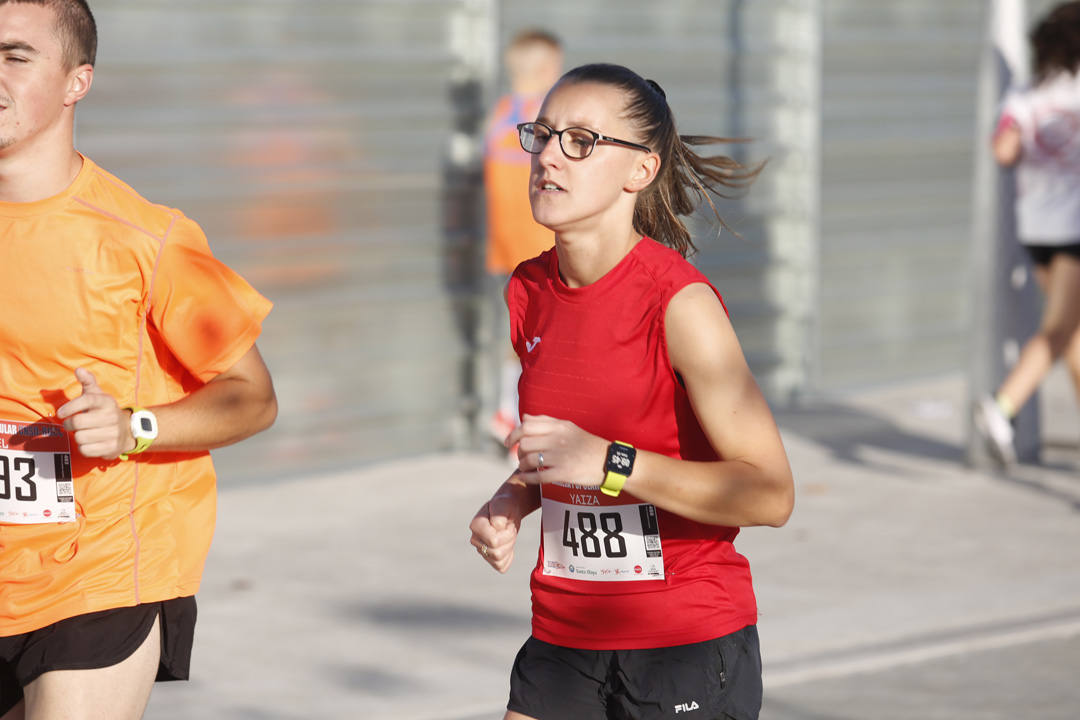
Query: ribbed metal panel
(311, 140)
(328, 148)
(897, 121)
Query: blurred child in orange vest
(533, 62)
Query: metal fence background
(897, 118)
(329, 149)
(312, 140)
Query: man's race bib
(35, 474)
(591, 536)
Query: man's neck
(31, 176)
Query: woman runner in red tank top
(644, 439)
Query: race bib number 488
(35, 474)
(591, 536)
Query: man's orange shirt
(513, 235)
(100, 278)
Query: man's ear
(79, 81)
(644, 172)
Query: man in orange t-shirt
(127, 351)
(533, 63)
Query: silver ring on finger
(539, 461)
(484, 550)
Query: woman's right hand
(495, 528)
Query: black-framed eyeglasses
(577, 143)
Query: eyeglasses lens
(577, 142)
(534, 137)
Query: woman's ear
(644, 172)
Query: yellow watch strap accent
(613, 484)
(141, 443)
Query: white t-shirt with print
(1048, 174)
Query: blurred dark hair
(1056, 41)
(685, 178)
(76, 28)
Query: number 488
(585, 538)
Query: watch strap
(141, 443)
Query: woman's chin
(549, 220)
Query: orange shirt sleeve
(207, 314)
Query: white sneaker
(996, 430)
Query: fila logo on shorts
(684, 707)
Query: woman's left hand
(553, 450)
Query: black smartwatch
(619, 465)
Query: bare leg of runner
(1072, 352)
(118, 692)
(510, 715)
(15, 713)
(1061, 318)
(1072, 361)
(1042, 278)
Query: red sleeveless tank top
(620, 574)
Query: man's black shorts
(716, 679)
(97, 640)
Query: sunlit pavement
(905, 584)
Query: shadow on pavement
(1028, 477)
(373, 681)
(774, 709)
(847, 432)
(412, 614)
(844, 430)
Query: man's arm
(234, 405)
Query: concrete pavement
(904, 585)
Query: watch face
(620, 458)
(144, 425)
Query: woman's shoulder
(667, 266)
(529, 277)
(536, 268)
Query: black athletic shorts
(1041, 255)
(97, 640)
(712, 680)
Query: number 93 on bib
(35, 474)
(591, 536)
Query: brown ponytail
(685, 178)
